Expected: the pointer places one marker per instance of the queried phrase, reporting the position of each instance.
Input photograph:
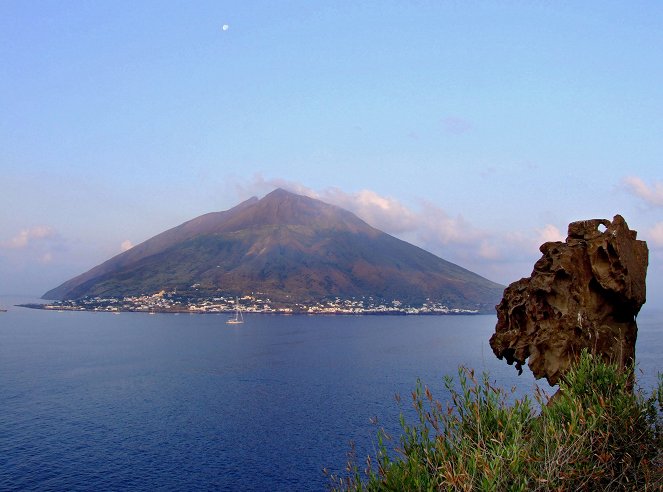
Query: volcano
(291, 248)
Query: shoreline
(339, 312)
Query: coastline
(260, 303)
(280, 312)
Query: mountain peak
(280, 195)
(281, 207)
(280, 192)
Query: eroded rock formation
(583, 293)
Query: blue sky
(474, 129)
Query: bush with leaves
(596, 433)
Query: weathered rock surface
(583, 293)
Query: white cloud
(652, 195)
(126, 245)
(436, 225)
(426, 225)
(489, 251)
(655, 234)
(28, 236)
(33, 247)
(549, 233)
(385, 213)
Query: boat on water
(238, 319)
(3, 310)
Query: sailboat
(238, 319)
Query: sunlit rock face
(583, 293)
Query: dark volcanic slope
(290, 247)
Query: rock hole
(602, 228)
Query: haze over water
(132, 401)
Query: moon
(225, 27)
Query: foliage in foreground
(595, 434)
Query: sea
(133, 401)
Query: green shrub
(595, 434)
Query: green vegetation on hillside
(595, 434)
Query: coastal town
(171, 302)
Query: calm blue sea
(96, 401)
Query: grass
(596, 433)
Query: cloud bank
(28, 237)
(655, 234)
(30, 250)
(549, 233)
(651, 195)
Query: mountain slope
(293, 249)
